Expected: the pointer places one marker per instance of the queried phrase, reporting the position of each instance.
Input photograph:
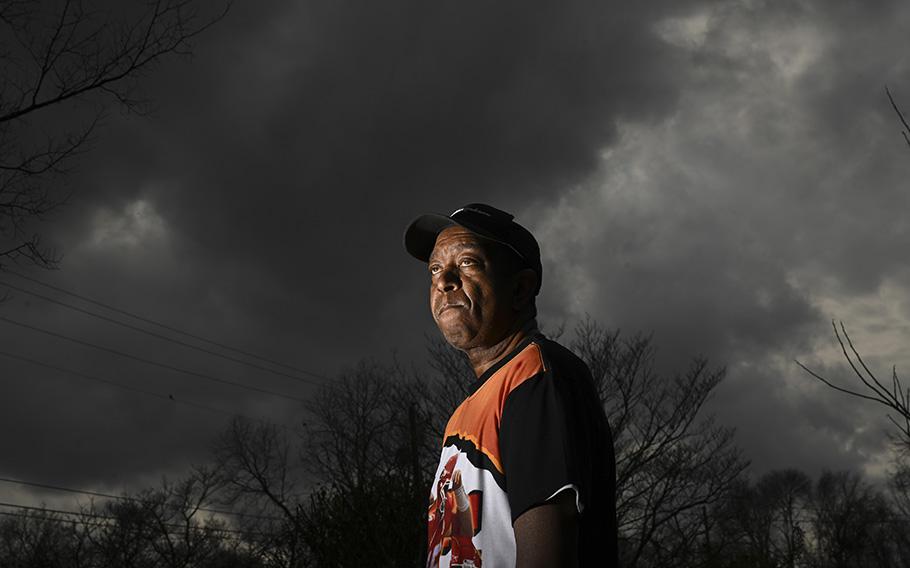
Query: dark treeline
(350, 486)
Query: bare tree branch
(900, 115)
(53, 55)
(895, 399)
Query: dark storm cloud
(723, 174)
(264, 203)
(773, 199)
(359, 110)
(784, 424)
(328, 126)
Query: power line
(87, 523)
(43, 509)
(166, 338)
(87, 515)
(53, 519)
(127, 498)
(115, 384)
(149, 361)
(159, 324)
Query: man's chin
(458, 337)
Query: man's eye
(467, 261)
(435, 268)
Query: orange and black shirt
(532, 428)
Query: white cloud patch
(689, 31)
(137, 225)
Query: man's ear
(525, 285)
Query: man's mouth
(449, 306)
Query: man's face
(469, 297)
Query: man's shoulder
(540, 360)
(558, 358)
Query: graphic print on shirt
(454, 518)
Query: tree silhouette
(786, 520)
(170, 526)
(351, 489)
(258, 463)
(768, 520)
(853, 524)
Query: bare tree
(184, 534)
(671, 460)
(899, 490)
(767, 522)
(77, 60)
(259, 466)
(118, 533)
(40, 538)
(788, 492)
(371, 445)
(787, 520)
(854, 526)
(170, 526)
(364, 453)
(895, 397)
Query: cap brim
(420, 236)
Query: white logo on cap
(457, 211)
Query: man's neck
(482, 358)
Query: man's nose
(449, 280)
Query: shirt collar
(533, 334)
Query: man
(527, 473)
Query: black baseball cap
(485, 220)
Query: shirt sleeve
(542, 444)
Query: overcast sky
(726, 175)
